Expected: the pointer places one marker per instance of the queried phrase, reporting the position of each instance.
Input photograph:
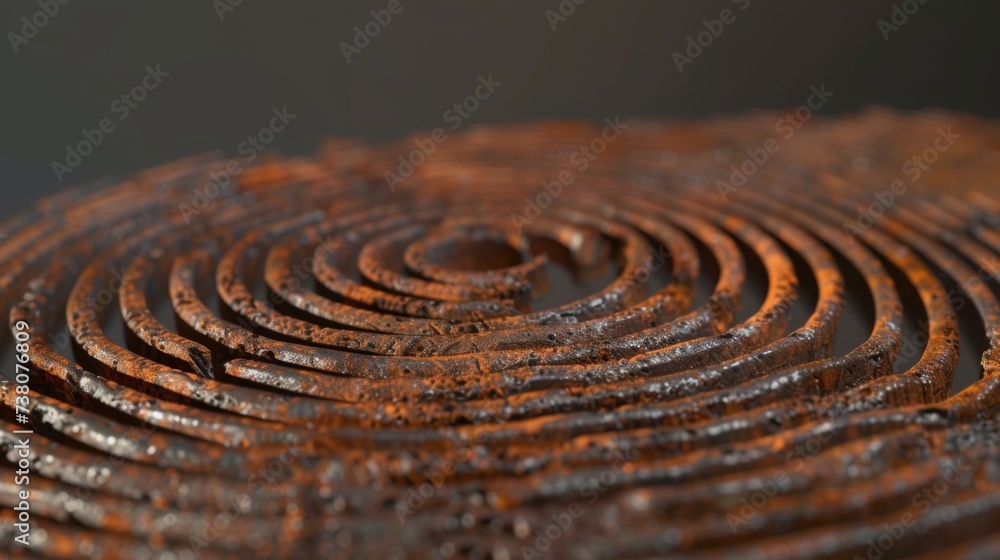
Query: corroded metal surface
(537, 345)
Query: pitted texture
(534, 344)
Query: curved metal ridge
(548, 341)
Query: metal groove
(314, 365)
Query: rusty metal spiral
(546, 340)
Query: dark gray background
(608, 58)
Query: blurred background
(225, 65)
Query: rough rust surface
(313, 365)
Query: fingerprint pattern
(676, 339)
